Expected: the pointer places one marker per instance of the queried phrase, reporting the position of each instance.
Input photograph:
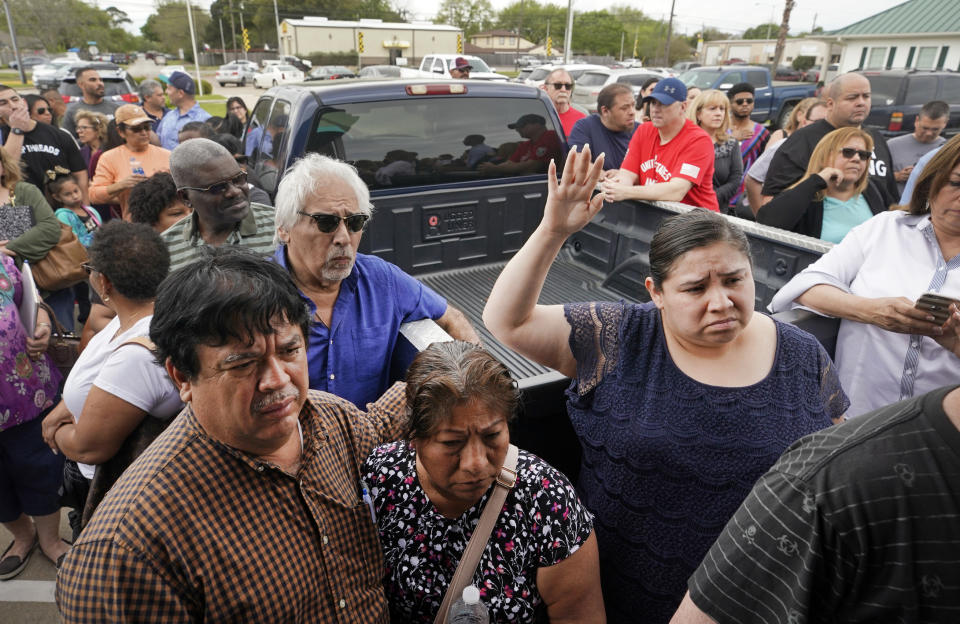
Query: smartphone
(937, 305)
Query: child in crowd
(67, 199)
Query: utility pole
(223, 44)
(242, 29)
(193, 42)
(13, 41)
(782, 37)
(276, 18)
(568, 36)
(622, 35)
(669, 32)
(233, 31)
(516, 59)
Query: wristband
(43, 325)
(16, 131)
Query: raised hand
(571, 202)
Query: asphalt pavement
(28, 598)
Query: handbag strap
(143, 341)
(58, 328)
(481, 534)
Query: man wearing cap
(125, 166)
(91, 86)
(534, 154)
(461, 68)
(181, 91)
(670, 158)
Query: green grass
(217, 108)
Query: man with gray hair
(357, 302)
(210, 181)
(153, 101)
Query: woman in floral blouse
(29, 471)
(428, 494)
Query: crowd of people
(234, 446)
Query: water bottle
(135, 167)
(468, 609)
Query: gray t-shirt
(906, 150)
(106, 107)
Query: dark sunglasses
(559, 86)
(328, 223)
(742, 101)
(89, 268)
(849, 152)
(239, 180)
(42, 111)
(144, 127)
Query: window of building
(926, 57)
(876, 58)
(503, 40)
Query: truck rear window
(884, 89)
(415, 142)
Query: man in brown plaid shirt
(248, 507)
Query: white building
(382, 41)
(761, 51)
(918, 34)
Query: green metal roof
(913, 16)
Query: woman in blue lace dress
(680, 404)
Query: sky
(732, 16)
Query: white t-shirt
(130, 374)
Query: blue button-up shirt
(351, 359)
(169, 127)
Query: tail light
(436, 89)
(66, 98)
(896, 122)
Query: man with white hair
(210, 181)
(357, 301)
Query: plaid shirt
(196, 530)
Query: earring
(105, 298)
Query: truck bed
(568, 281)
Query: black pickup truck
(454, 228)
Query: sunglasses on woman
(328, 223)
(848, 153)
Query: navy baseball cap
(183, 82)
(668, 91)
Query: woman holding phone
(834, 194)
(888, 348)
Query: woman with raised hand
(680, 404)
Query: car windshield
(702, 78)
(476, 63)
(539, 73)
(286, 68)
(884, 89)
(593, 79)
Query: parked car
(391, 71)
(896, 97)
(251, 64)
(772, 102)
(301, 64)
(683, 66)
(589, 85)
(48, 76)
(441, 64)
(274, 75)
(523, 75)
(29, 62)
(539, 74)
(786, 72)
(234, 73)
(813, 74)
(118, 86)
(330, 72)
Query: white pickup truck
(441, 63)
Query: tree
(117, 17)
(169, 29)
(533, 19)
(64, 24)
(762, 31)
(470, 16)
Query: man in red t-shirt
(559, 86)
(670, 158)
(534, 154)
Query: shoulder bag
(478, 541)
(63, 265)
(64, 346)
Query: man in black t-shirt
(848, 104)
(37, 147)
(856, 523)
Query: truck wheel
(274, 83)
(243, 81)
(222, 84)
(785, 114)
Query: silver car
(235, 73)
(588, 87)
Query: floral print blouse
(27, 387)
(542, 523)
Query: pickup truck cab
(440, 64)
(772, 101)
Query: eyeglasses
(79, 128)
(89, 268)
(849, 152)
(144, 127)
(42, 111)
(462, 69)
(742, 101)
(560, 86)
(328, 223)
(239, 181)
